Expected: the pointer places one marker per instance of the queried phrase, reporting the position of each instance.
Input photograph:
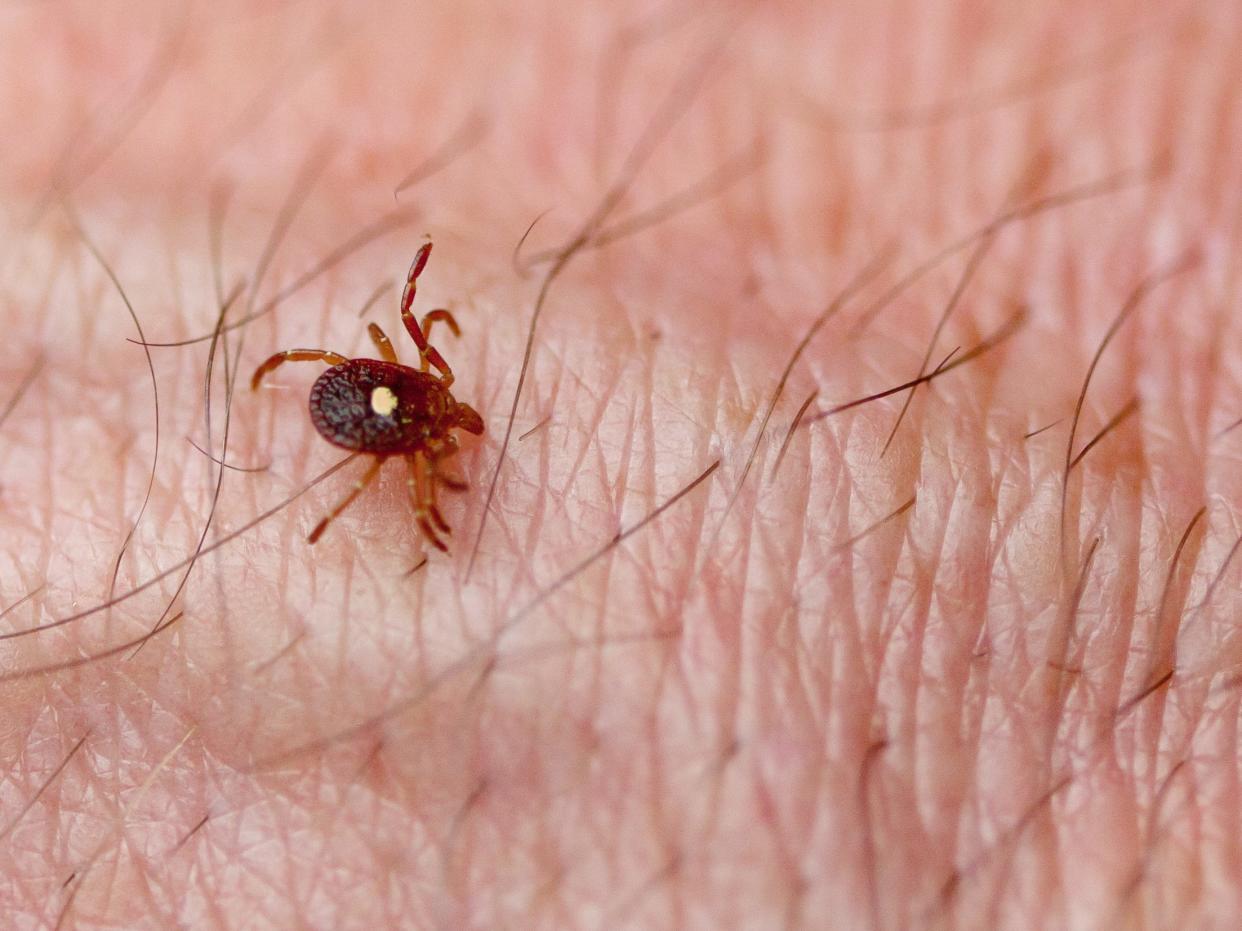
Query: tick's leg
(349, 499)
(382, 343)
(442, 315)
(432, 508)
(452, 484)
(428, 319)
(448, 449)
(417, 484)
(295, 355)
(426, 352)
(411, 280)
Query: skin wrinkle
(1124, 562)
(917, 564)
(611, 788)
(599, 622)
(964, 581)
(1159, 670)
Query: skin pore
(979, 678)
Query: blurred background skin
(730, 720)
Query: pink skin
(720, 723)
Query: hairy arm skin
(977, 713)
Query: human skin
(1012, 703)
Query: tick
(386, 409)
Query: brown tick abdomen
(378, 407)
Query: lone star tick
(384, 408)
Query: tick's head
(468, 419)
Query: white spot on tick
(383, 401)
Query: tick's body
(384, 408)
